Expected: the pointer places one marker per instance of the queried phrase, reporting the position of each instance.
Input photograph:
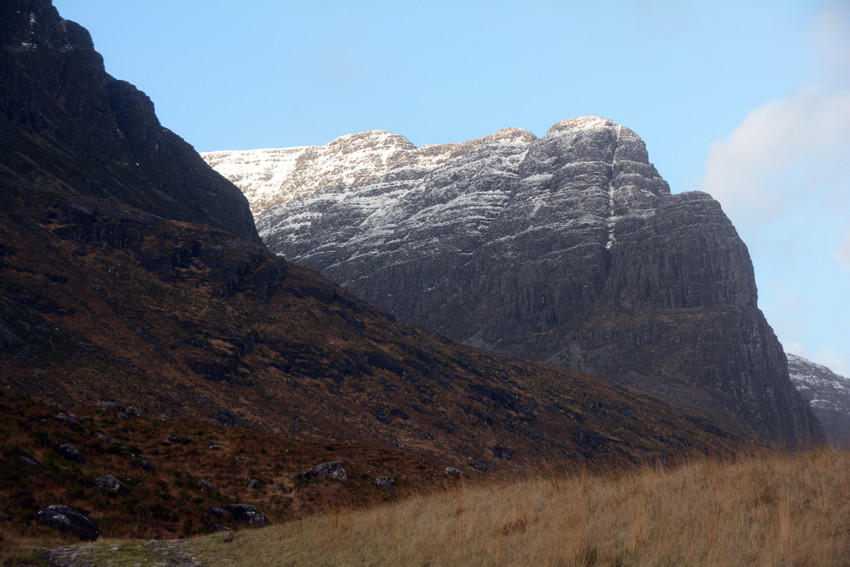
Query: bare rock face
(567, 249)
(65, 123)
(829, 395)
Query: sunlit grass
(772, 510)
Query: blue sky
(747, 100)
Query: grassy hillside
(773, 509)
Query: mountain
(66, 124)
(829, 395)
(567, 249)
(142, 320)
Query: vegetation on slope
(774, 509)
(107, 303)
(769, 509)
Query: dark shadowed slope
(66, 124)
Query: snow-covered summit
(583, 123)
(275, 176)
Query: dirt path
(153, 553)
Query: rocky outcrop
(70, 452)
(568, 249)
(829, 395)
(67, 124)
(242, 513)
(332, 470)
(110, 483)
(68, 520)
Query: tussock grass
(774, 509)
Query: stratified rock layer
(567, 249)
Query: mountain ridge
(536, 247)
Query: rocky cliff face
(829, 395)
(65, 122)
(110, 297)
(567, 249)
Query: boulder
(26, 458)
(452, 472)
(110, 483)
(242, 513)
(70, 452)
(68, 520)
(385, 483)
(330, 470)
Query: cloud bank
(786, 150)
(783, 178)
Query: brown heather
(776, 509)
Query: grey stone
(385, 483)
(70, 452)
(331, 470)
(29, 461)
(110, 483)
(242, 513)
(66, 519)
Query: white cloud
(783, 178)
(793, 151)
(785, 153)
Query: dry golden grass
(776, 509)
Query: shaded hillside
(172, 472)
(567, 249)
(107, 303)
(66, 124)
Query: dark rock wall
(65, 122)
